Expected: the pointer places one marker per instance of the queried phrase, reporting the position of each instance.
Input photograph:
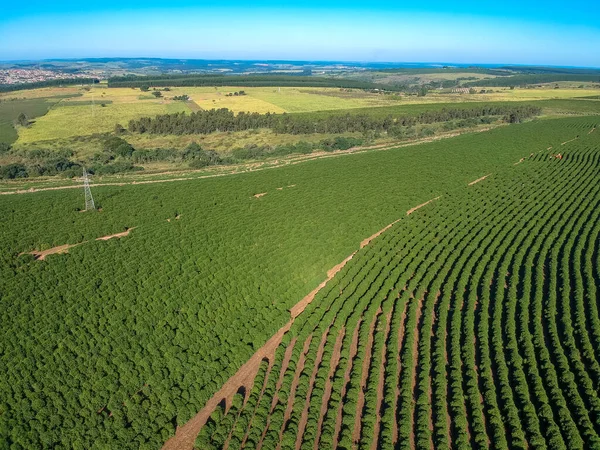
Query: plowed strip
(482, 178)
(311, 385)
(570, 140)
(363, 380)
(353, 351)
(380, 383)
(290, 404)
(335, 359)
(412, 210)
(41, 255)
(117, 235)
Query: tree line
(209, 121)
(242, 80)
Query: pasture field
(85, 119)
(11, 108)
(118, 342)
(83, 115)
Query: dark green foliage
(128, 338)
(203, 122)
(240, 80)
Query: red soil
(335, 360)
(363, 379)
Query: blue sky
(518, 32)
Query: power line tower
(89, 200)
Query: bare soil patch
(41, 255)
(116, 235)
(259, 195)
(484, 177)
(412, 210)
(592, 130)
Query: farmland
(431, 334)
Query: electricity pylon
(89, 200)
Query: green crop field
(473, 321)
(441, 331)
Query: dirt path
(311, 384)
(290, 403)
(262, 194)
(364, 375)
(381, 381)
(353, 352)
(570, 140)
(483, 178)
(40, 255)
(592, 130)
(412, 210)
(116, 235)
(335, 360)
(297, 309)
(186, 435)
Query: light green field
(123, 104)
(68, 121)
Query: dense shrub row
(490, 295)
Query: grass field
(10, 110)
(68, 121)
(126, 338)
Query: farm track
(473, 324)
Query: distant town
(21, 76)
